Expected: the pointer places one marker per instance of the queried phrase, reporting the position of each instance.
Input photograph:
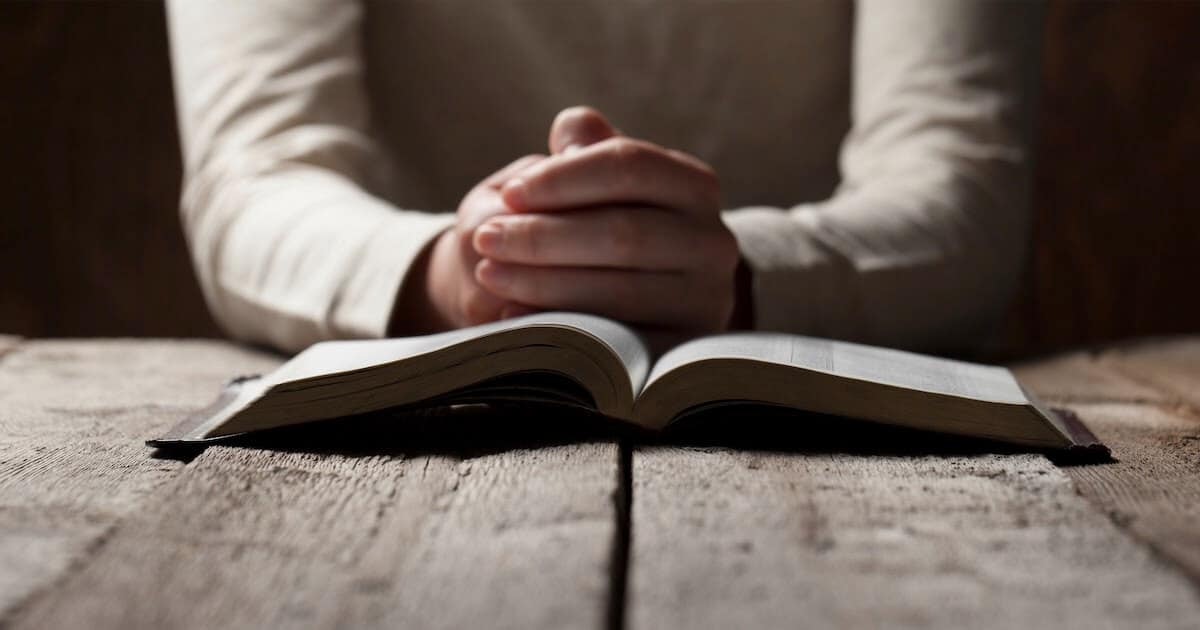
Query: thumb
(576, 127)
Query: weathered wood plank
(8, 343)
(519, 538)
(1152, 371)
(1169, 365)
(1154, 487)
(73, 415)
(756, 539)
(1080, 377)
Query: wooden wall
(1116, 190)
(90, 242)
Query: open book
(598, 364)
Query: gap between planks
(619, 569)
(618, 586)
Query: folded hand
(614, 226)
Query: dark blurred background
(91, 245)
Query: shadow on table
(767, 428)
(475, 430)
(462, 430)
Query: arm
(923, 242)
(289, 245)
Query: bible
(598, 364)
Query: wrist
(417, 309)
(743, 298)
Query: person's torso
(759, 88)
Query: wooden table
(97, 533)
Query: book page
(855, 361)
(330, 357)
(624, 343)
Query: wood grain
(244, 537)
(1163, 371)
(1114, 251)
(91, 169)
(770, 539)
(459, 525)
(1170, 365)
(73, 415)
(724, 538)
(1154, 487)
(1142, 400)
(1080, 377)
(8, 343)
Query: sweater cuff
(364, 307)
(797, 285)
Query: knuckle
(530, 236)
(703, 176)
(526, 162)
(477, 207)
(627, 157)
(627, 149)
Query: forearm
(415, 311)
(906, 273)
(289, 243)
(302, 255)
(924, 240)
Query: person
(857, 171)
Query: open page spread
(604, 366)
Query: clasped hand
(605, 224)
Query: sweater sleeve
(289, 244)
(922, 244)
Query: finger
(615, 171)
(633, 296)
(577, 127)
(484, 200)
(497, 179)
(624, 238)
(478, 206)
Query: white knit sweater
(873, 156)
